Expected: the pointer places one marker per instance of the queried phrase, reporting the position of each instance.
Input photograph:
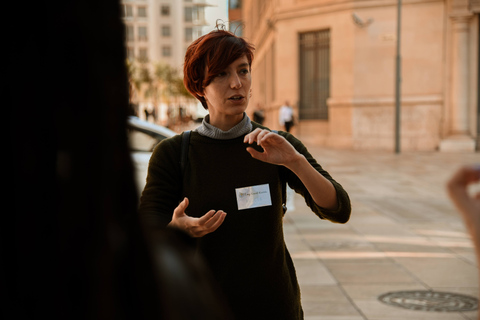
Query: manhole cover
(430, 301)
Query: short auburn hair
(208, 56)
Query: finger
(213, 224)
(255, 154)
(261, 136)
(207, 216)
(218, 222)
(180, 209)
(219, 215)
(464, 176)
(247, 137)
(471, 173)
(476, 172)
(252, 136)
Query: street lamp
(398, 79)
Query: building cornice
(464, 8)
(474, 6)
(311, 8)
(434, 99)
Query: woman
(231, 191)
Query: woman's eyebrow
(243, 65)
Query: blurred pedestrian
(286, 118)
(238, 167)
(259, 114)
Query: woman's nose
(235, 82)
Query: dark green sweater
(247, 253)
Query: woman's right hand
(196, 227)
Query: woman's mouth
(236, 98)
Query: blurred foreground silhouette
(78, 250)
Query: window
(188, 34)
(166, 51)
(314, 74)
(188, 14)
(192, 33)
(126, 11)
(197, 32)
(130, 53)
(166, 31)
(165, 10)
(194, 14)
(235, 4)
(198, 14)
(129, 11)
(142, 54)
(130, 36)
(142, 12)
(142, 33)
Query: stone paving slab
(404, 235)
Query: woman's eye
(244, 71)
(221, 74)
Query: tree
(133, 81)
(163, 84)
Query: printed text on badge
(253, 197)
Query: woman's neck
(225, 123)
(211, 131)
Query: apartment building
(335, 62)
(161, 30)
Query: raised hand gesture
(196, 227)
(467, 204)
(277, 150)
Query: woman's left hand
(276, 149)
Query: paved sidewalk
(404, 234)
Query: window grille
(130, 34)
(166, 31)
(314, 74)
(142, 12)
(142, 33)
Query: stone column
(459, 138)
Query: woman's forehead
(240, 62)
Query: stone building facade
(335, 62)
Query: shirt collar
(208, 130)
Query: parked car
(143, 136)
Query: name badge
(253, 197)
